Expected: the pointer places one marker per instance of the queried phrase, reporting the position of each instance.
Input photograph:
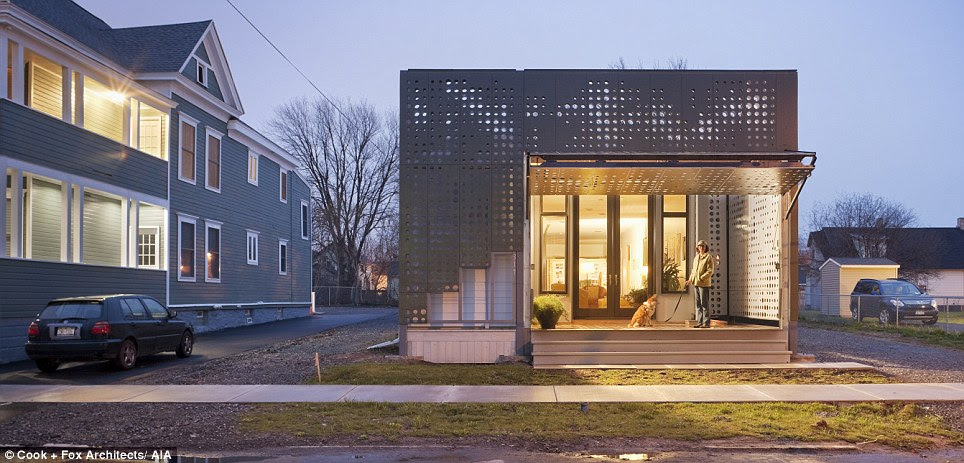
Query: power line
(293, 65)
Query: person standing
(702, 279)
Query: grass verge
(905, 426)
(520, 374)
(925, 334)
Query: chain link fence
(921, 310)
(329, 296)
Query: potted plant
(547, 309)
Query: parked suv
(119, 327)
(892, 298)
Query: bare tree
(875, 227)
(350, 156)
(380, 254)
(676, 63)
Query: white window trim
(208, 134)
(282, 180)
(305, 209)
(157, 248)
(209, 224)
(184, 118)
(257, 245)
(201, 65)
(283, 243)
(257, 168)
(184, 218)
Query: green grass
(956, 318)
(926, 334)
(897, 425)
(512, 374)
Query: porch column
(135, 227)
(65, 238)
(4, 63)
(789, 271)
(126, 238)
(16, 72)
(66, 99)
(78, 99)
(78, 225)
(129, 140)
(16, 213)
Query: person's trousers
(702, 305)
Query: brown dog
(644, 314)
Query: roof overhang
(668, 173)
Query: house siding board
(29, 285)
(190, 71)
(240, 206)
(37, 138)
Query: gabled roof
(162, 48)
(934, 248)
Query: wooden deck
(622, 324)
(612, 344)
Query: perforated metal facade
(465, 136)
(754, 251)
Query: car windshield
(62, 310)
(898, 288)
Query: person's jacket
(702, 270)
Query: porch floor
(621, 324)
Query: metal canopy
(666, 178)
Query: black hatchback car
(120, 327)
(890, 300)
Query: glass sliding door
(592, 256)
(612, 254)
(633, 253)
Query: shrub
(547, 309)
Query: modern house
(931, 257)
(595, 186)
(128, 170)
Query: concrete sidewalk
(929, 392)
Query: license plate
(920, 312)
(66, 330)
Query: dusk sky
(880, 82)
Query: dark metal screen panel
(442, 254)
(508, 208)
(475, 191)
(413, 224)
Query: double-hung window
(212, 173)
(283, 186)
(186, 226)
(253, 169)
(212, 251)
(252, 247)
(282, 257)
(202, 73)
(187, 158)
(305, 220)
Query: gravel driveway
(908, 361)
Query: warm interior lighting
(115, 96)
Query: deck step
(628, 359)
(674, 345)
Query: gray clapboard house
(128, 170)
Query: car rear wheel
(186, 346)
(884, 317)
(127, 356)
(48, 365)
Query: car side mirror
(173, 313)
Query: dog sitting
(644, 314)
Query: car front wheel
(127, 356)
(186, 346)
(884, 317)
(48, 365)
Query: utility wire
(293, 65)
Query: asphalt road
(207, 346)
